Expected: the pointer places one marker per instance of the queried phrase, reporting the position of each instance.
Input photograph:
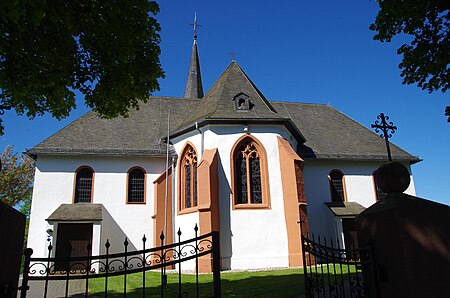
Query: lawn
(275, 283)
(279, 283)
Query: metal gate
(333, 271)
(123, 264)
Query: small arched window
(136, 186)
(83, 185)
(249, 168)
(379, 194)
(336, 179)
(188, 178)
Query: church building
(230, 160)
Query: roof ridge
(261, 95)
(297, 102)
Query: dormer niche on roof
(194, 86)
(242, 102)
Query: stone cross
(387, 129)
(232, 54)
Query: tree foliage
(16, 179)
(50, 50)
(426, 58)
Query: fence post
(26, 270)
(305, 270)
(216, 263)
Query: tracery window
(250, 174)
(188, 178)
(136, 186)
(336, 179)
(379, 194)
(83, 185)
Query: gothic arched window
(188, 178)
(83, 185)
(336, 179)
(136, 185)
(249, 170)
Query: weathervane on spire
(195, 25)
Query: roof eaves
(202, 122)
(352, 157)
(34, 152)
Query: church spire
(194, 87)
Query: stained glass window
(189, 195)
(136, 186)
(187, 186)
(247, 173)
(83, 186)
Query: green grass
(278, 283)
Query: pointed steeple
(194, 86)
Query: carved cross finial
(232, 54)
(387, 129)
(195, 26)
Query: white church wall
(359, 188)
(254, 238)
(54, 185)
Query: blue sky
(305, 51)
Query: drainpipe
(203, 137)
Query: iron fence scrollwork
(331, 270)
(123, 264)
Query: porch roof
(345, 209)
(77, 212)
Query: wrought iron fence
(124, 264)
(333, 271)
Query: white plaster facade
(250, 238)
(237, 227)
(54, 185)
(359, 187)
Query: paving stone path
(56, 289)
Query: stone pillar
(12, 231)
(410, 238)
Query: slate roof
(194, 86)
(77, 212)
(322, 131)
(218, 105)
(139, 134)
(345, 209)
(331, 134)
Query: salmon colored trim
(374, 184)
(75, 183)
(291, 197)
(159, 212)
(145, 186)
(180, 189)
(264, 175)
(208, 200)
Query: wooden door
(350, 234)
(73, 240)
